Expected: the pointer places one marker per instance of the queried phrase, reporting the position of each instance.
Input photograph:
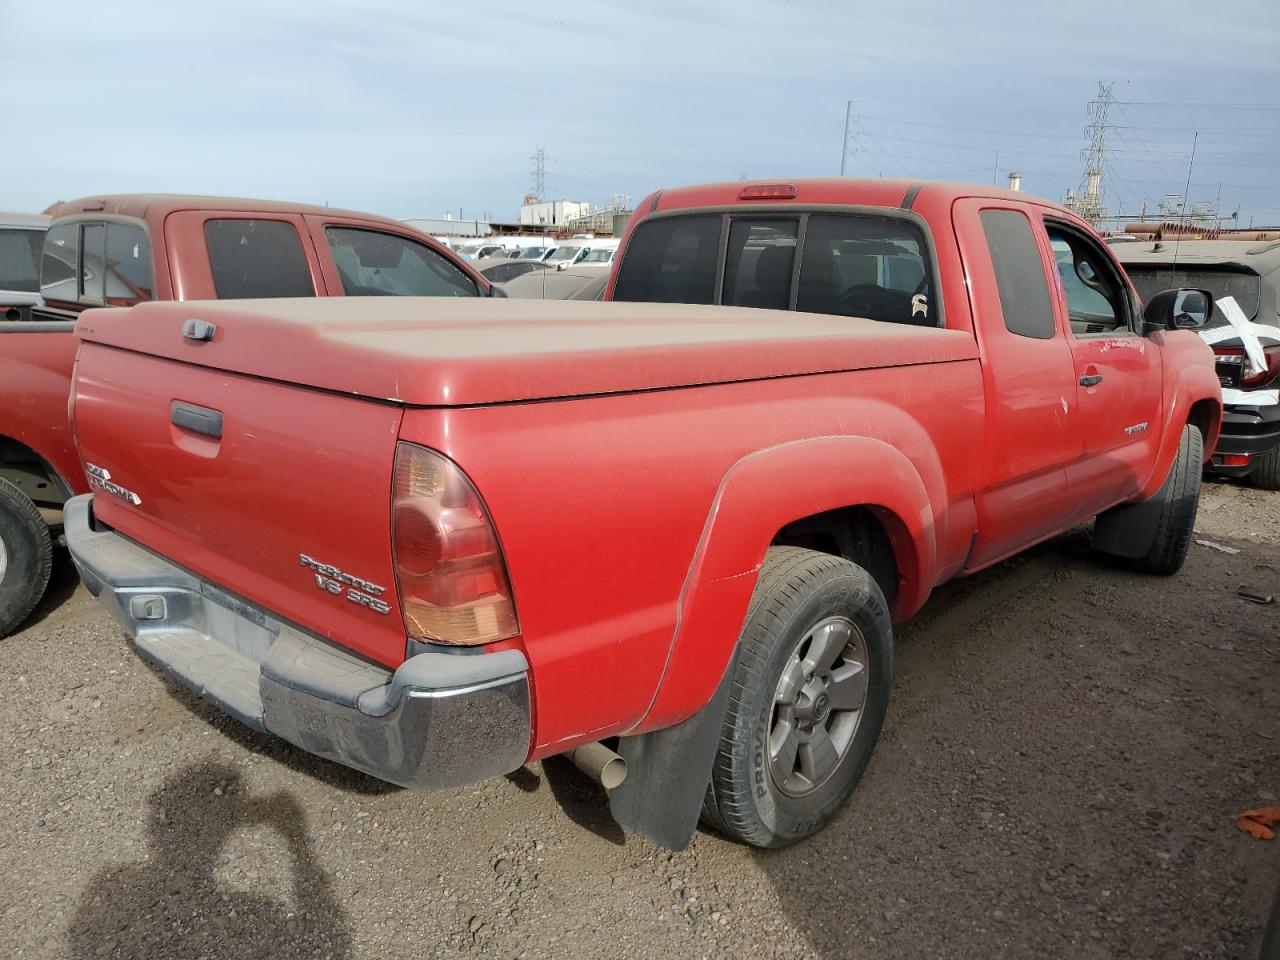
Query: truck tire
(26, 557)
(1266, 475)
(1179, 497)
(807, 699)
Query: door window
(375, 264)
(1095, 294)
(256, 258)
(20, 259)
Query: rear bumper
(1246, 432)
(438, 720)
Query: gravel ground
(1066, 750)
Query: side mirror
(1183, 309)
(497, 290)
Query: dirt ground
(1066, 749)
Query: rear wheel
(1179, 497)
(26, 557)
(810, 688)
(1266, 474)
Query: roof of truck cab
(1261, 256)
(36, 221)
(157, 206)
(821, 191)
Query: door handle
(197, 419)
(1091, 380)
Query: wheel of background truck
(809, 690)
(1266, 475)
(1179, 496)
(26, 557)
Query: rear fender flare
(760, 494)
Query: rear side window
(1020, 277)
(372, 263)
(866, 266)
(128, 265)
(60, 264)
(20, 259)
(758, 263)
(671, 260)
(256, 258)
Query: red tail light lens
(768, 191)
(1251, 377)
(449, 565)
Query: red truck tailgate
(298, 479)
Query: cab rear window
(856, 265)
(672, 260)
(1151, 279)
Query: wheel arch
(857, 490)
(31, 473)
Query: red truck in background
(122, 250)
(434, 540)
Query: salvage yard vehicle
(1249, 271)
(21, 235)
(434, 540)
(116, 251)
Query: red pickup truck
(121, 250)
(434, 540)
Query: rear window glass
(92, 271)
(1020, 277)
(256, 258)
(671, 260)
(865, 266)
(1245, 287)
(759, 262)
(20, 259)
(372, 263)
(128, 264)
(60, 261)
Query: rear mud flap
(668, 773)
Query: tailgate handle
(199, 331)
(197, 419)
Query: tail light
(1250, 376)
(449, 565)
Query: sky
(411, 109)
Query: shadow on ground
(172, 905)
(63, 581)
(272, 747)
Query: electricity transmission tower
(1088, 196)
(848, 118)
(540, 173)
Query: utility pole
(844, 151)
(995, 170)
(540, 173)
(1089, 194)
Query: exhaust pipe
(600, 764)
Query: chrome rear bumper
(438, 720)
